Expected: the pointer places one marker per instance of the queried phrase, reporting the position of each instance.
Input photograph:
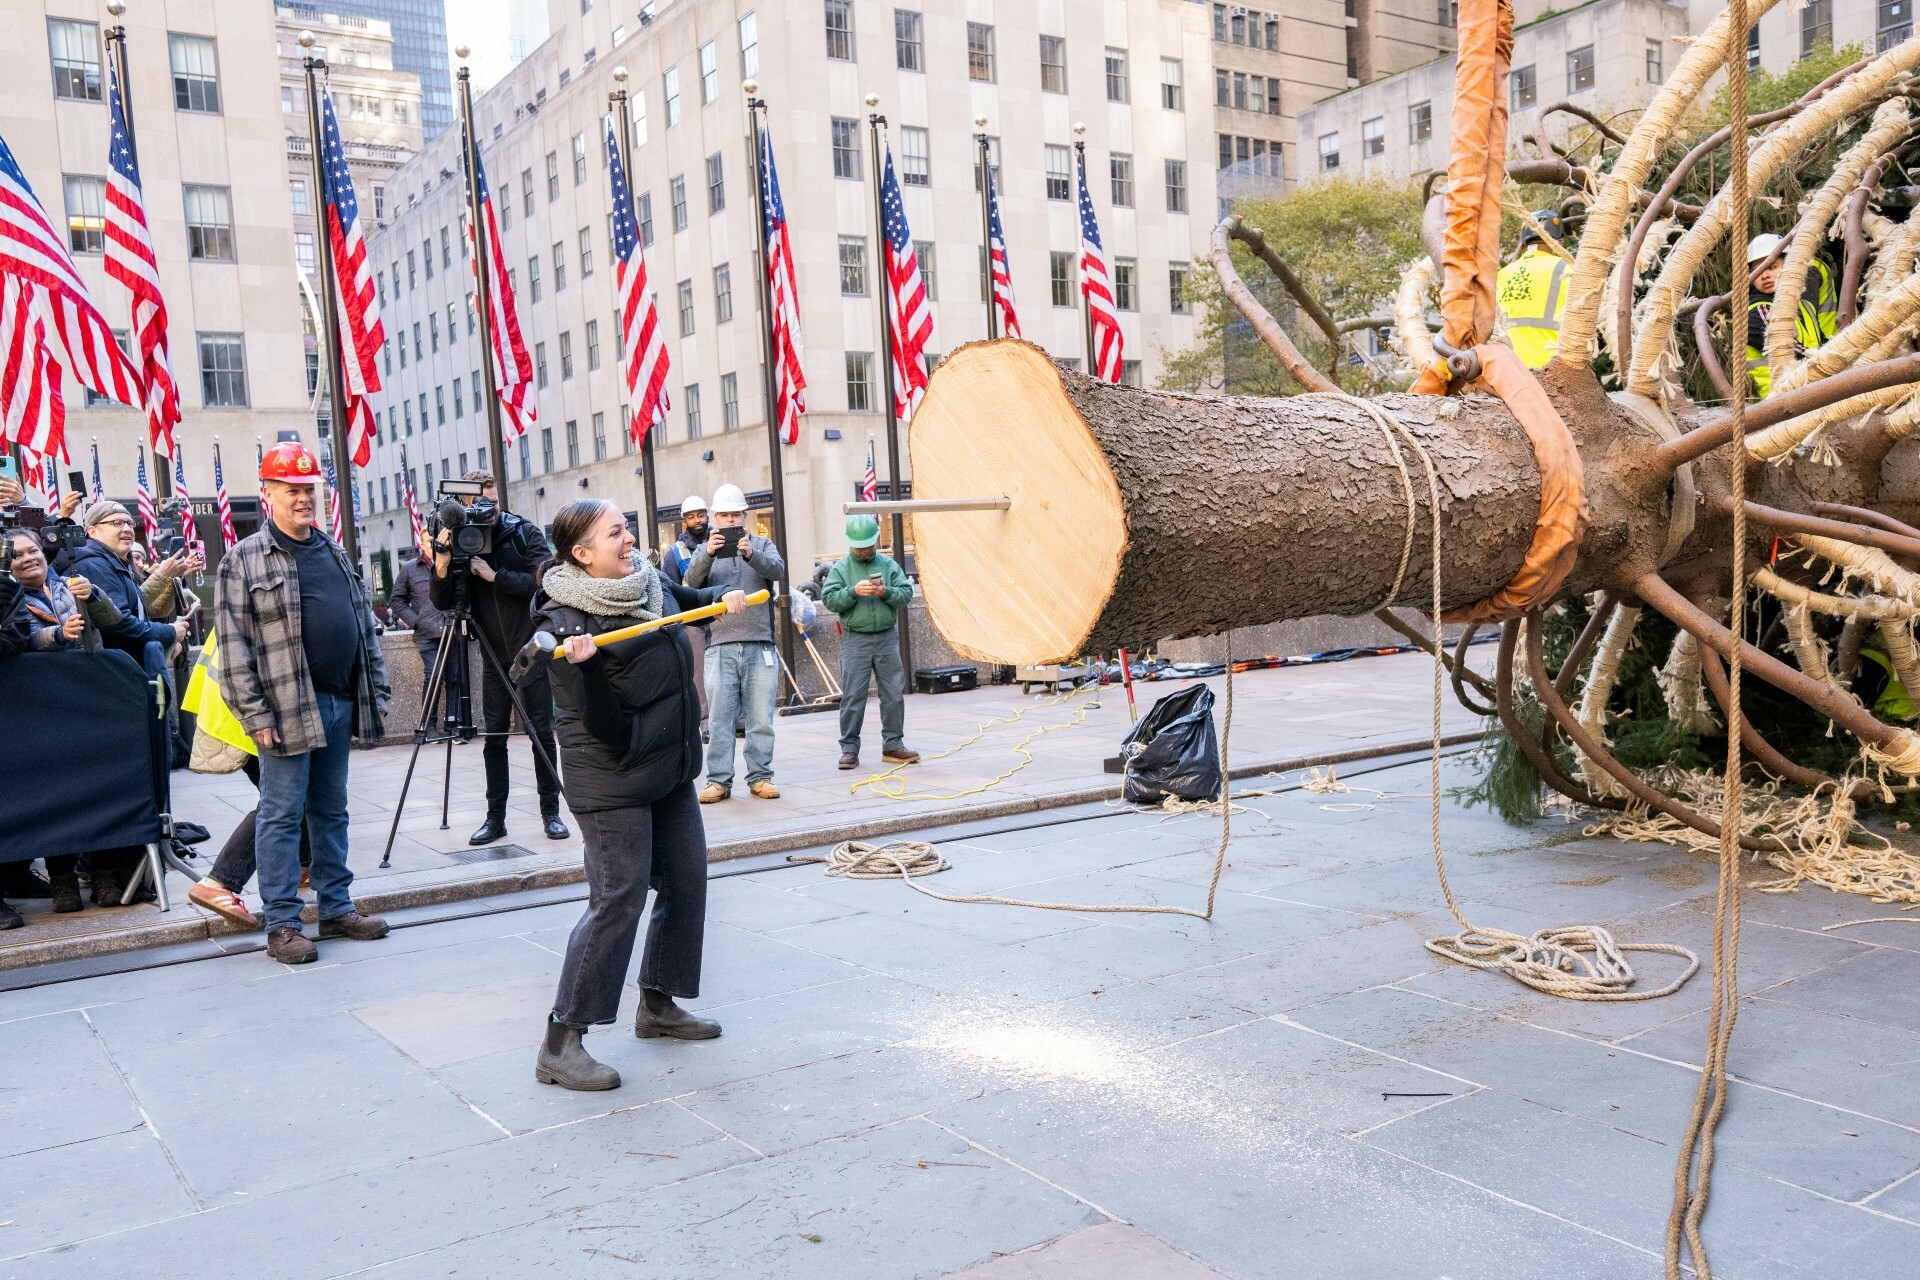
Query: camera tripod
(457, 721)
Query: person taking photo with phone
(742, 666)
(867, 590)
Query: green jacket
(865, 615)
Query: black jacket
(501, 606)
(412, 600)
(113, 578)
(628, 719)
(673, 571)
(16, 634)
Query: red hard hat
(290, 462)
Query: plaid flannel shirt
(263, 667)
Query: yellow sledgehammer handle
(604, 639)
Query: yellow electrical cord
(890, 785)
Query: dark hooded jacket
(628, 720)
(113, 578)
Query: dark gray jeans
(662, 845)
(876, 656)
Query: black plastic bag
(1173, 750)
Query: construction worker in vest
(1531, 295)
(1817, 319)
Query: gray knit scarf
(638, 595)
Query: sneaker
(290, 946)
(900, 755)
(714, 793)
(222, 901)
(765, 789)
(356, 926)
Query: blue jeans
(743, 679)
(309, 790)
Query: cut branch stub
(1144, 515)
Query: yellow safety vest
(1894, 703)
(208, 707)
(1530, 296)
(1808, 332)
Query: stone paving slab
(908, 1088)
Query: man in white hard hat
(742, 667)
(1816, 319)
(673, 565)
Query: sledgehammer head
(541, 648)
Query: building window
(426, 251)
(123, 339)
(526, 193)
(439, 406)
(600, 437)
(716, 183)
(1753, 48)
(1118, 89)
(729, 402)
(915, 167)
(580, 158)
(646, 219)
(584, 242)
(846, 148)
(1251, 155)
(533, 279)
(839, 16)
(1816, 26)
(433, 328)
(1173, 82)
(1059, 161)
(472, 314)
(693, 410)
(859, 382)
(1263, 94)
(566, 355)
(1060, 278)
(993, 160)
(573, 442)
(1447, 13)
(380, 204)
(1176, 186)
(1053, 64)
(1420, 122)
(407, 407)
(1329, 152)
(677, 193)
(76, 59)
(909, 49)
(1373, 137)
(459, 405)
(593, 345)
(1129, 373)
(87, 215)
(1526, 86)
(1120, 171)
(1125, 272)
(223, 371)
(526, 457)
(980, 52)
(929, 275)
(749, 46)
(686, 308)
(853, 266)
(670, 83)
(540, 365)
(709, 72)
(1177, 288)
(209, 223)
(446, 248)
(196, 74)
(722, 293)
(1580, 68)
(546, 449)
(553, 178)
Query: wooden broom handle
(692, 615)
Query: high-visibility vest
(1807, 335)
(1894, 703)
(208, 707)
(1530, 295)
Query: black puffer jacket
(629, 717)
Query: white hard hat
(1760, 247)
(729, 498)
(692, 503)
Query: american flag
(358, 317)
(333, 501)
(788, 373)
(149, 519)
(227, 535)
(413, 507)
(46, 295)
(997, 262)
(189, 526)
(909, 314)
(1097, 288)
(33, 408)
(512, 366)
(130, 260)
(870, 479)
(50, 480)
(643, 349)
(99, 490)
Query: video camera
(471, 526)
(53, 538)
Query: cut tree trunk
(1141, 515)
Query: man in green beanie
(865, 589)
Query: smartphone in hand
(730, 541)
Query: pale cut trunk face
(1025, 584)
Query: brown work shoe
(900, 755)
(765, 789)
(355, 926)
(714, 793)
(290, 946)
(849, 759)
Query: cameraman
(502, 583)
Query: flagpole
(1086, 312)
(649, 483)
(986, 221)
(483, 279)
(882, 275)
(782, 602)
(116, 36)
(329, 297)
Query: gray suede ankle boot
(564, 1061)
(659, 1016)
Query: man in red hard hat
(300, 666)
